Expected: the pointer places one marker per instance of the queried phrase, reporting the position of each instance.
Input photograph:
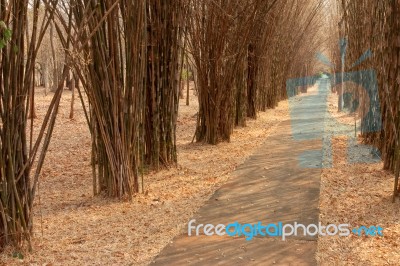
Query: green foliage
(186, 74)
(5, 34)
(18, 255)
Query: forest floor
(359, 195)
(71, 227)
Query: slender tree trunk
(54, 59)
(187, 82)
(72, 89)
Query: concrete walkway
(271, 186)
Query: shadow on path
(271, 186)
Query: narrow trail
(278, 183)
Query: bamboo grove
(129, 72)
(128, 58)
(243, 52)
(375, 25)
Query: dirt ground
(359, 195)
(74, 228)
